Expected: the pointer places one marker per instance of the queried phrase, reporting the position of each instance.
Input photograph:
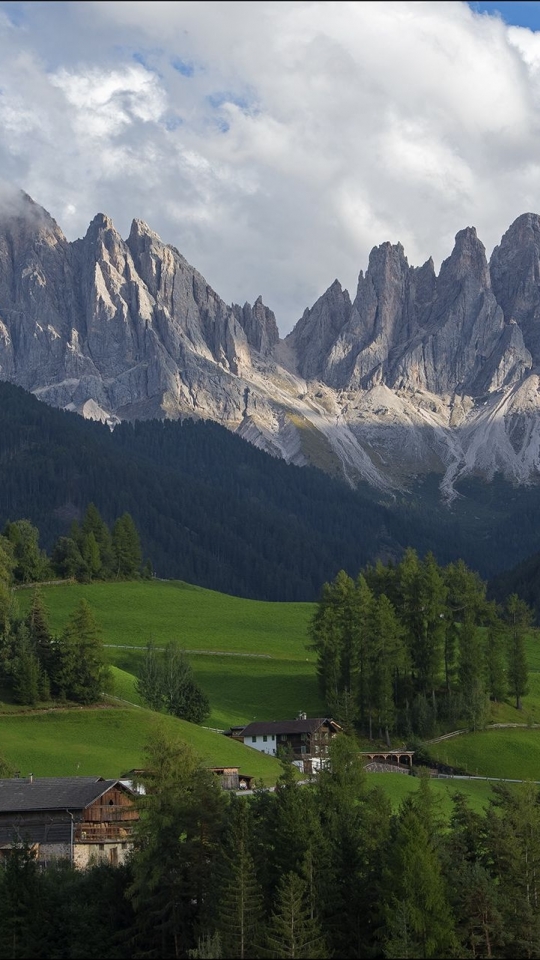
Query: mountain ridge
(420, 373)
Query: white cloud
(274, 143)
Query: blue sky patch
(172, 122)
(15, 12)
(519, 13)
(184, 67)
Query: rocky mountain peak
(317, 330)
(467, 261)
(515, 276)
(420, 373)
(259, 325)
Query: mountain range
(420, 374)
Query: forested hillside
(213, 510)
(523, 579)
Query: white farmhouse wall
(263, 744)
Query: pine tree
(31, 563)
(166, 682)
(419, 920)
(518, 617)
(26, 672)
(495, 655)
(513, 841)
(126, 548)
(291, 930)
(175, 846)
(94, 524)
(80, 672)
(38, 626)
(240, 910)
(388, 657)
(149, 682)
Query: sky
(275, 143)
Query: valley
(250, 657)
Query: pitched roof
(277, 727)
(52, 793)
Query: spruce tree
(94, 524)
(240, 907)
(419, 921)
(38, 626)
(80, 671)
(30, 563)
(176, 844)
(126, 548)
(518, 617)
(292, 932)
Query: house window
(303, 749)
(254, 739)
(265, 738)
(102, 846)
(273, 737)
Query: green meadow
(135, 612)
(251, 659)
(399, 787)
(110, 741)
(249, 656)
(507, 752)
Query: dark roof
(276, 727)
(20, 795)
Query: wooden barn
(81, 819)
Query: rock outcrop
(419, 373)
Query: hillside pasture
(397, 787)
(512, 753)
(108, 742)
(133, 613)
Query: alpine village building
(307, 738)
(80, 819)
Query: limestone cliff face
(419, 373)
(129, 324)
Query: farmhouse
(80, 819)
(307, 737)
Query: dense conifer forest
(317, 871)
(407, 647)
(213, 510)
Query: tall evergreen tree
(240, 909)
(31, 563)
(291, 930)
(93, 524)
(175, 847)
(166, 682)
(518, 617)
(419, 920)
(126, 548)
(80, 672)
(37, 622)
(388, 657)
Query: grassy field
(162, 610)
(249, 656)
(251, 659)
(398, 787)
(108, 742)
(513, 753)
